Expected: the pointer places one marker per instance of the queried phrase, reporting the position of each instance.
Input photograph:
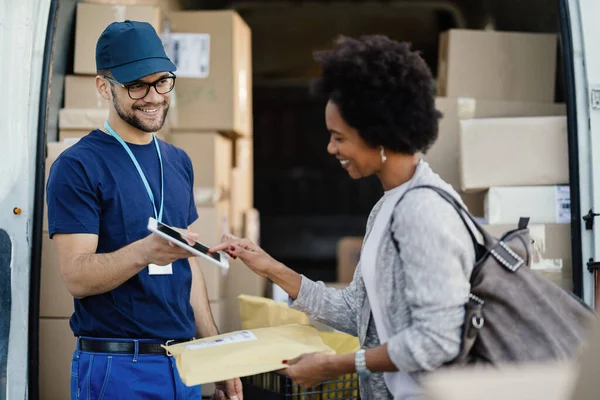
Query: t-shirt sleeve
(193, 212)
(73, 206)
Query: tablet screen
(176, 235)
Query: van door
(580, 32)
(24, 68)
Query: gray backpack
(514, 314)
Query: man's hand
(229, 390)
(159, 251)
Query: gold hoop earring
(383, 156)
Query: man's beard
(133, 120)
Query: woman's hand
(311, 369)
(251, 254)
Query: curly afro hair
(383, 89)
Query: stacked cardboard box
(211, 120)
(502, 140)
(83, 110)
(506, 150)
(57, 342)
(526, 175)
(444, 158)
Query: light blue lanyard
(157, 215)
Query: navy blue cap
(131, 50)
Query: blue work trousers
(99, 376)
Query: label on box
(563, 204)
(190, 52)
(239, 337)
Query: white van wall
(23, 27)
(586, 63)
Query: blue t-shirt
(94, 187)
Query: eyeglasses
(139, 90)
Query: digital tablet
(198, 248)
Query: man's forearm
(93, 274)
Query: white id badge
(154, 269)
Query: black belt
(106, 346)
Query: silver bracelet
(360, 362)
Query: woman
(406, 307)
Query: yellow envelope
(244, 353)
(260, 312)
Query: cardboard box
(551, 241)
(166, 6)
(542, 204)
(211, 155)
(54, 149)
(513, 152)
(497, 65)
(66, 135)
(57, 344)
(469, 108)
(551, 381)
(91, 21)
(242, 181)
(551, 250)
(214, 71)
(82, 119)
(348, 256)
(78, 122)
(210, 226)
(443, 157)
(241, 280)
(55, 299)
(251, 225)
(81, 92)
(126, 2)
(212, 223)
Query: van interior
(307, 203)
